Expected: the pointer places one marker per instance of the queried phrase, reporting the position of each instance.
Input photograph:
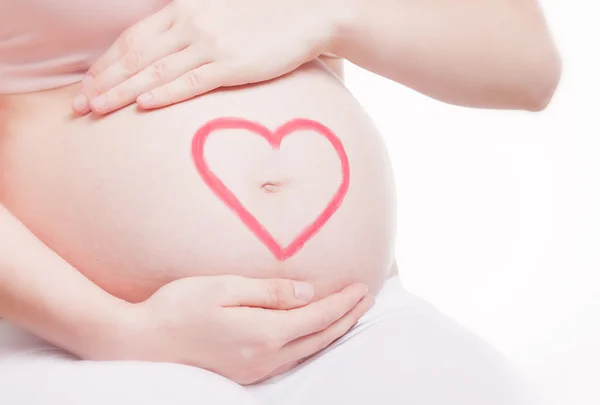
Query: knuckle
(159, 71)
(132, 61)
(325, 320)
(126, 40)
(275, 292)
(95, 71)
(193, 79)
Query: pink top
(46, 44)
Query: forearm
(42, 293)
(487, 54)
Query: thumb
(266, 293)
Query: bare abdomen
(124, 200)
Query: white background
(499, 212)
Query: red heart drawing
(274, 138)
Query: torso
(121, 199)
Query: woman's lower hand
(191, 47)
(241, 328)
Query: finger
(121, 85)
(193, 83)
(136, 59)
(265, 293)
(320, 315)
(155, 24)
(306, 346)
(81, 104)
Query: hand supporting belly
(243, 329)
(121, 198)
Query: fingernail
(99, 102)
(80, 103)
(303, 291)
(145, 98)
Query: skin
(93, 217)
(191, 47)
(44, 294)
(275, 139)
(81, 199)
(48, 295)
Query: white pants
(403, 351)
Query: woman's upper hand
(193, 46)
(244, 329)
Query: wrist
(131, 334)
(44, 294)
(110, 334)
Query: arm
(42, 293)
(488, 54)
(215, 322)
(477, 53)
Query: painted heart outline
(274, 138)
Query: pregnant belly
(298, 185)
